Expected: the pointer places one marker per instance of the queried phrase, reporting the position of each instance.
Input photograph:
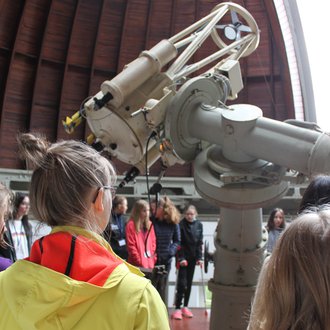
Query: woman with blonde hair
(5, 204)
(140, 236)
(293, 290)
(72, 279)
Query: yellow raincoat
(36, 297)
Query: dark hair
(18, 199)
(270, 223)
(317, 193)
(117, 201)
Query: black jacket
(115, 234)
(8, 251)
(191, 240)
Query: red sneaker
(177, 315)
(186, 312)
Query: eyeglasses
(112, 190)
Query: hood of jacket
(39, 297)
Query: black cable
(153, 134)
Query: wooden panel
(270, 102)
(75, 90)
(133, 31)
(84, 33)
(17, 101)
(10, 15)
(50, 71)
(109, 37)
(107, 46)
(46, 101)
(105, 57)
(4, 64)
(279, 49)
(184, 14)
(76, 81)
(16, 107)
(58, 30)
(259, 62)
(282, 111)
(159, 21)
(31, 28)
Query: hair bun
(32, 148)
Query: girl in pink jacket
(140, 237)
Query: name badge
(114, 227)
(147, 254)
(122, 242)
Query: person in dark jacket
(19, 230)
(189, 255)
(114, 233)
(7, 250)
(165, 219)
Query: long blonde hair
(6, 198)
(139, 223)
(66, 178)
(293, 290)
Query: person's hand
(199, 263)
(183, 263)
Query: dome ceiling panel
(58, 31)
(107, 47)
(159, 22)
(84, 34)
(10, 15)
(133, 32)
(46, 98)
(17, 102)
